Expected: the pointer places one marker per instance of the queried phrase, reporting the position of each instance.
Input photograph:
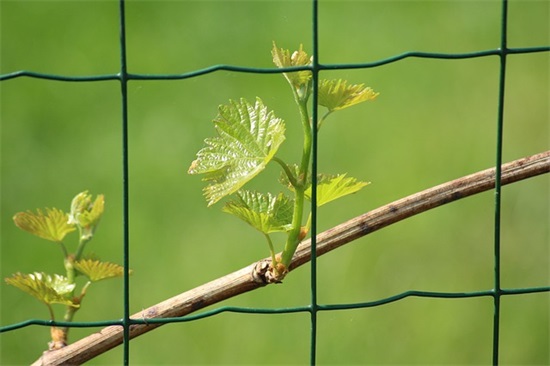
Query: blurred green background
(434, 121)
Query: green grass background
(435, 120)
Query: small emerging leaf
(86, 213)
(50, 226)
(332, 187)
(264, 212)
(300, 79)
(97, 271)
(47, 289)
(336, 94)
(249, 137)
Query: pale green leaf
(282, 59)
(53, 225)
(86, 213)
(97, 271)
(332, 187)
(48, 289)
(248, 138)
(264, 212)
(337, 94)
(329, 187)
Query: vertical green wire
(125, 185)
(315, 79)
(500, 125)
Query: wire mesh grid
(314, 307)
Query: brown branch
(252, 276)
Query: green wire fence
(314, 307)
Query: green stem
(68, 317)
(71, 277)
(290, 176)
(52, 316)
(306, 152)
(294, 234)
(272, 250)
(81, 244)
(308, 222)
(84, 289)
(63, 249)
(71, 310)
(69, 269)
(322, 119)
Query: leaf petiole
(272, 250)
(81, 244)
(286, 169)
(308, 223)
(322, 119)
(63, 249)
(52, 316)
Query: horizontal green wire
(260, 70)
(297, 309)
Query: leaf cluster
(248, 138)
(53, 225)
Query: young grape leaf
(329, 187)
(282, 58)
(50, 226)
(86, 213)
(249, 137)
(336, 94)
(264, 212)
(332, 187)
(97, 271)
(47, 289)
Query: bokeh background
(435, 120)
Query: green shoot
(54, 225)
(249, 136)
